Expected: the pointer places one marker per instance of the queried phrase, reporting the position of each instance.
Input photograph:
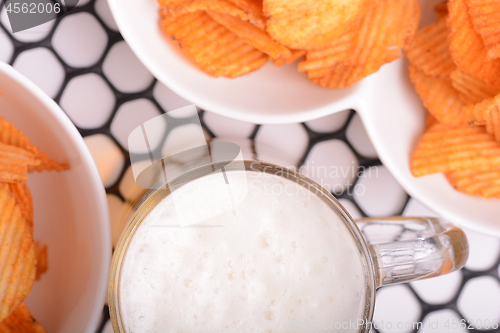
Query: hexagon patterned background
(82, 62)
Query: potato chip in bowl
(70, 213)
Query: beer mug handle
(406, 249)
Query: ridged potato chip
(302, 24)
(472, 89)
(486, 113)
(485, 17)
(218, 51)
(12, 136)
(15, 153)
(47, 164)
(340, 51)
(429, 51)
(338, 76)
(445, 148)
(439, 97)
(24, 200)
(296, 55)
(21, 321)
(250, 14)
(13, 173)
(479, 113)
(252, 35)
(485, 183)
(17, 254)
(14, 163)
(384, 31)
(467, 48)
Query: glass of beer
(257, 247)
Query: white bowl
(71, 214)
(391, 111)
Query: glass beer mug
(225, 242)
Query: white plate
(71, 214)
(392, 113)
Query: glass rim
(150, 198)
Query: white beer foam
(281, 260)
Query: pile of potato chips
(21, 259)
(455, 67)
(343, 41)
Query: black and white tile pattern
(83, 63)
